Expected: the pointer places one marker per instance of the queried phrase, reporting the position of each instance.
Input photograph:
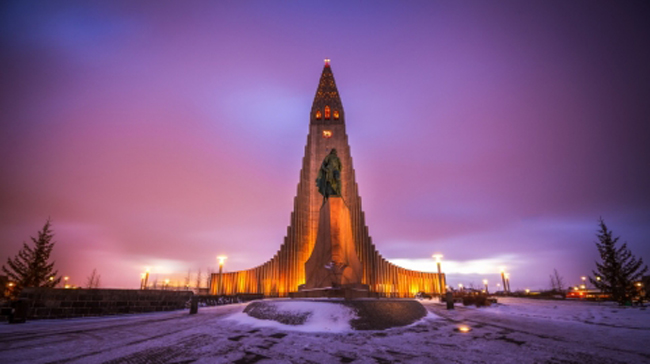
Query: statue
(329, 176)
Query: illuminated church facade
(285, 271)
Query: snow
(514, 331)
(321, 317)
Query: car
(422, 295)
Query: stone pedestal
(333, 267)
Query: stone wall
(50, 303)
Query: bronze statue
(329, 176)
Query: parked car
(422, 295)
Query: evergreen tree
(30, 268)
(618, 270)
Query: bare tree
(557, 281)
(93, 280)
(199, 278)
(208, 279)
(188, 279)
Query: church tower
(286, 270)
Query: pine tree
(30, 268)
(618, 270)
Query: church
(285, 271)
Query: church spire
(327, 107)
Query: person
(329, 176)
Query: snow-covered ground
(320, 317)
(515, 331)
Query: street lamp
(485, 282)
(65, 280)
(166, 284)
(142, 275)
(145, 278)
(584, 280)
(222, 259)
(438, 258)
(460, 286)
(503, 278)
(508, 281)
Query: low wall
(50, 303)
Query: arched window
(318, 114)
(336, 114)
(327, 112)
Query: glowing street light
(438, 258)
(460, 286)
(503, 279)
(527, 291)
(65, 280)
(166, 284)
(508, 281)
(222, 259)
(485, 282)
(145, 279)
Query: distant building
(285, 271)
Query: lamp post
(503, 278)
(222, 259)
(485, 282)
(460, 286)
(166, 286)
(508, 281)
(65, 282)
(438, 258)
(584, 281)
(146, 278)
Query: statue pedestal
(333, 269)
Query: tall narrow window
(318, 114)
(327, 112)
(336, 114)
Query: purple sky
(162, 135)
